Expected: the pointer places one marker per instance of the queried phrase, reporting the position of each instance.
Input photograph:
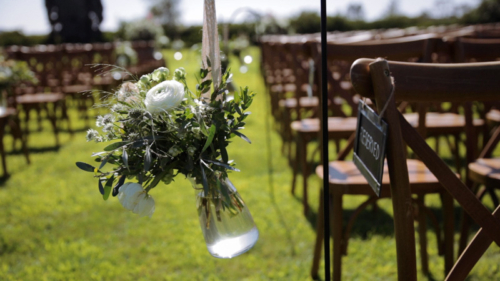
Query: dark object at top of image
(74, 21)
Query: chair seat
(493, 116)
(39, 98)
(442, 123)
(485, 171)
(345, 175)
(436, 123)
(343, 126)
(6, 112)
(76, 89)
(280, 88)
(309, 102)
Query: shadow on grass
(35, 150)
(77, 130)
(379, 222)
(3, 180)
(368, 222)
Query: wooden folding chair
(428, 83)
(343, 122)
(44, 61)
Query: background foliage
(487, 11)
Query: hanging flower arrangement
(160, 129)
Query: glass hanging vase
(225, 221)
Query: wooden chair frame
(428, 83)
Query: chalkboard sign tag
(369, 146)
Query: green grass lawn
(54, 224)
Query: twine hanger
(210, 43)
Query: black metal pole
(324, 130)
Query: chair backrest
(341, 56)
(428, 83)
(44, 61)
(477, 50)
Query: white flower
(126, 90)
(136, 199)
(103, 120)
(92, 135)
(164, 96)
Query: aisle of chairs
(291, 68)
(69, 76)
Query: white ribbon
(210, 44)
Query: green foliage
(487, 12)
(8, 38)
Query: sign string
(387, 102)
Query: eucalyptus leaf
(103, 162)
(116, 188)
(211, 134)
(223, 151)
(222, 165)
(237, 107)
(101, 188)
(115, 145)
(107, 187)
(125, 158)
(86, 167)
(242, 136)
(147, 159)
(157, 179)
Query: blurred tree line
(166, 13)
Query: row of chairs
(68, 74)
(290, 69)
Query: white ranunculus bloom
(164, 96)
(135, 199)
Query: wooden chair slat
(471, 255)
(450, 181)
(432, 82)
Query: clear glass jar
(228, 231)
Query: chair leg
(448, 229)
(422, 235)
(464, 231)
(17, 131)
(65, 116)
(336, 223)
(27, 110)
(320, 228)
(2, 149)
(53, 121)
(305, 174)
(465, 224)
(39, 116)
(295, 163)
